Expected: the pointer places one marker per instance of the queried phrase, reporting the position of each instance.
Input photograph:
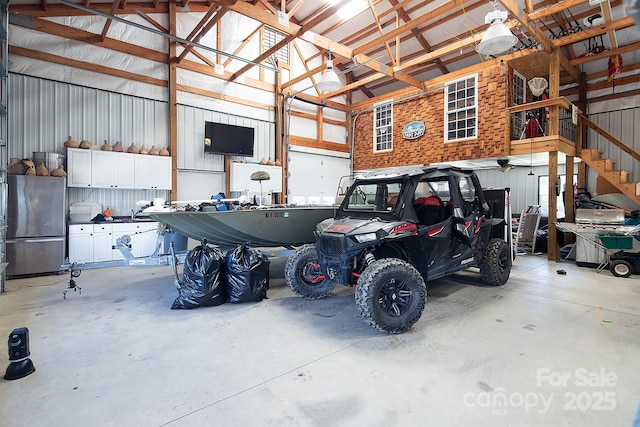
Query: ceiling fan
(504, 165)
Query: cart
(620, 245)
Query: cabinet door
(152, 172)
(146, 239)
(112, 170)
(102, 243)
(78, 167)
(239, 177)
(143, 237)
(81, 243)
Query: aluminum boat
(262, 227)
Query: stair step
(607, 165)
(590, 154)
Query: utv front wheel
(391, 295)
(303, 275)
(496, 263)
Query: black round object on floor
(19, 369)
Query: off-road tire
(300, 271)
(495, 266)
(391, 295)
(621, 268)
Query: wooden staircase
(606, 169)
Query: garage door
(314, 175)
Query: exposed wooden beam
(321, 41)
(607, 53)
(605, 7)
(82, 65)
(558, 7)
(618, 24)
(107, 24)
(203, 27)
(386, 43)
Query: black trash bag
(247, 273)
(203, 281)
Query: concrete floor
(545, 349)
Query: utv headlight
(363, 238)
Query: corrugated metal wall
(43, 113)
(624, 125)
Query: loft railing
(529, 122)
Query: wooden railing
(563, 141)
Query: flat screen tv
(226, 139)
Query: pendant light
(329, 81)
(498, 38)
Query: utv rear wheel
(303, 275)
(496, 263)
(391, 295)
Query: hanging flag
(615, 66)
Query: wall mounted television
(232, 140)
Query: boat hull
(257, 227)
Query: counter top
(116, 220)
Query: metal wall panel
(43, 113)
(624, 125)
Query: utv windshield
(373, 197)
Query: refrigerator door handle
(35, 240)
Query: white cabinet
(241, 178)
(112, 170)
(143, 236)
(115, 170)
(102, 242)
(152, 172)
(81, 243)
(98, 242)
(78, 167)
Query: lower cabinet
(98, 242)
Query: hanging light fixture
(329, 81)
(498, 38)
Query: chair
(430, 211)
(525, 236)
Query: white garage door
(314, 175)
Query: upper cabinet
(112, 170)
(115, 170)
(78, 167)
(241, 178)
(152, 172)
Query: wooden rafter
(418, 35)
(606, 13)
(386, 43)
(322, 42)
(203, 27)
(305, 65)
(107, 24)
(164, 29)
(244, 43)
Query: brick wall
(431, 148)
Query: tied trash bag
(202, 282)
(247, 272)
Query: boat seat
(429, 210)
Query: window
(543, 195)
(461, 107)
(519, 97)
(272, 38)
(383, 127)
(380, 197)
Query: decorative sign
(413, 130)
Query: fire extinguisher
(575, 191)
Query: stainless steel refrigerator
(36, 226)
